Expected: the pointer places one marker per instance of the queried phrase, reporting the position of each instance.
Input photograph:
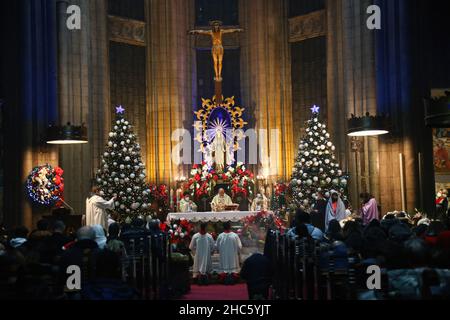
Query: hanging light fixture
(368, 125)
(437, 111)
(68, 134)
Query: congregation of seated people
(34, 265)
(407, 249)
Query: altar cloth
(224, 216)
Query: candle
(171, 197)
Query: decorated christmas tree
(122, 172)
(316, 169)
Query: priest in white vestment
(186, 204)
(202, 245)
(220, 201)
(228, 245)
(96, 208)
(260, 203)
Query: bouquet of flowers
(203, 180)
(255, 227)
(160, 194)
(45, 185)
(278, 201)
(179, 232)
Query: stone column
(169, 83)
(266, 80)
(83, 94)
(352, 89)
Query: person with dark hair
(318, 212)
(417, 253)
(303, 218)
(108, 284)
(113, 242)
(202, 245)
(257, 272)
(334, 232)
(369, 209)
(353, 235)
(229, 245)
(41, 232)
(54, 244)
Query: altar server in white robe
(202, 245)
(220, 201)
(229, 245)
(96, 208)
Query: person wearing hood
(335, 209)
(100, 237)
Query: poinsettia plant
(264, 220)
(179, 231)
(203, 180)
(160, 194)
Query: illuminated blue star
(315, 109)
(120, 110)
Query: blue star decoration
(120, 110)
(315, 109)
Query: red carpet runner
(217, 292)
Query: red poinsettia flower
(195, 166)
(224, 176)
(57, 180)
(59, 171)
(216, 177)
(163, 227)
(197, 177)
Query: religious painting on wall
(441, 150)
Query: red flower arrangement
(160, 194)
(281, 189)
(178, 232)
(263, 220)
(203, 180)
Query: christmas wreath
(45, 185)
(203, 180)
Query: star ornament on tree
(315, 109)
(120, 110)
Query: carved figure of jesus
(217, 48)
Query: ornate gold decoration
(237, 122)
(308, 26)
(127, 31)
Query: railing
(309, 270)
(146, 265)
(305, 269)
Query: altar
(233, 216)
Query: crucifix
(217, 50)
